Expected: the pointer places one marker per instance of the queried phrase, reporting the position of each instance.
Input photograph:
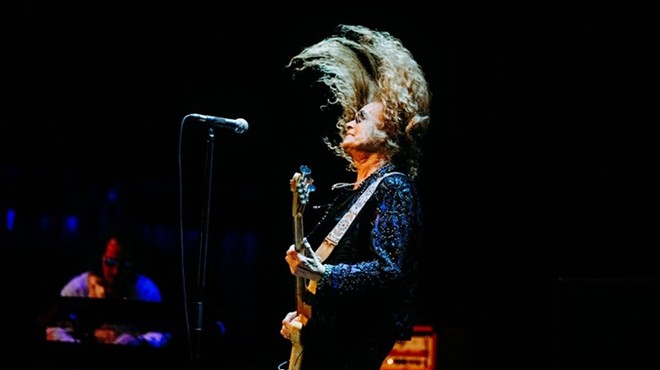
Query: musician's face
(115, 266)
(363, 133)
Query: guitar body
(301, 186)
(295, 359)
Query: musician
(362, 290)
(112, 276)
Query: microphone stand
(203, 247)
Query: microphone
(239, 125)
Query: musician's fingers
(292, 264)
(293, 254)
(285, 332)
(304, 265)
(293, 257)
(290, 317)
(310, 251)
(309, 263)
(308, 248)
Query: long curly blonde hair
(360, 65)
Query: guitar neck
(301, 283)
(298, 234)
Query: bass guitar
(301, 185)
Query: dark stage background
(540, 181)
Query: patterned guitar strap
(333, 237)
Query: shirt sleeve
(147, 290)
(76, 287)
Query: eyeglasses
(112, 262)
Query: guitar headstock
(301, 185)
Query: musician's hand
(306, 266)
(127, 339)
(60, 334)
(290, 320)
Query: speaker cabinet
(416, 354)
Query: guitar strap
(333, 237)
